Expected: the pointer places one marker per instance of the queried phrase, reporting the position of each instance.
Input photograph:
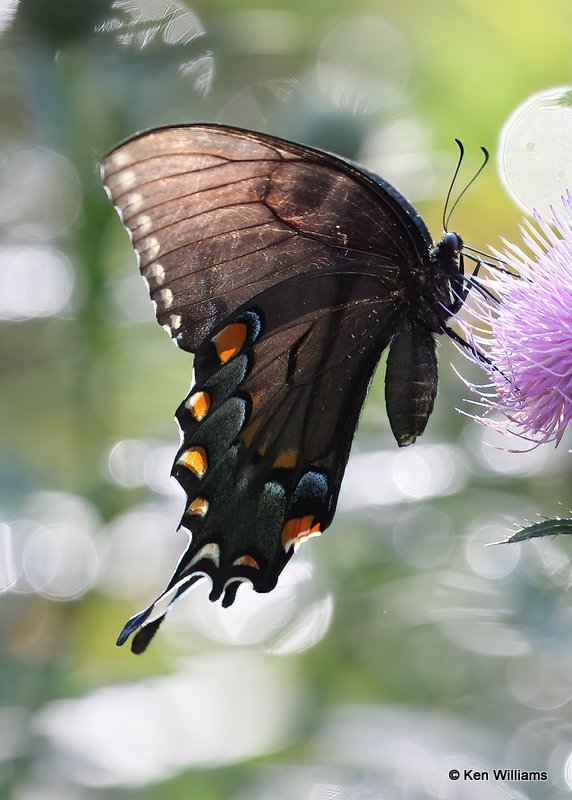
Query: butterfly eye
(452, 242)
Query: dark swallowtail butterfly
(286, 271)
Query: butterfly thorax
(444, 283)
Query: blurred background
(396, 647)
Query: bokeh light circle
(535, 149)
(34, 282)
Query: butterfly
(286, 271)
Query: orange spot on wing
(230, 340)
(199, 404)
(297, 530)
(199, 506)
(286, 459)
(195, 459)
(249, 432)
(246, 561)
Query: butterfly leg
(459, 340)
(462, 286)
(488, 264)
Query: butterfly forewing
(285, 270)
(217, 215)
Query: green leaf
(548, 527)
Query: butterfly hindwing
(267, 428)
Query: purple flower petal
(530, 341)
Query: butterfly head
(450, 246)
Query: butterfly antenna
(470, 183)
(453, 179)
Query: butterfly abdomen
(410, 382)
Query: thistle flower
(529, 341)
